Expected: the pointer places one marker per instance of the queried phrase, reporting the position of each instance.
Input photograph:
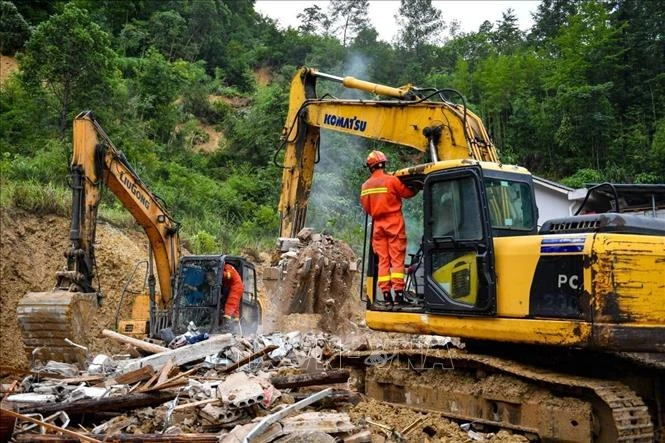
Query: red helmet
(376, 157)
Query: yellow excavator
(564, 326)
(54, 322)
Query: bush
(204, 243)
(41, 199)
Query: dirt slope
(31, 251)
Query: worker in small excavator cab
(381, 197)
(232, 289)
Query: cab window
(455, 210)
(510, 204)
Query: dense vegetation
(579, 97)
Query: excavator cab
(464, 208)
(200, 296)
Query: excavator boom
(51, 321)
(446, 130)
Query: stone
(305, 234)
(287, 243)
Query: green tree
(14, 30)
(348, 18)
(507, 36)
(420, 24)
(313, 21)
(71, 56)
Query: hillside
(31, 251)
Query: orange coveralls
(232, 280)
(381, 197)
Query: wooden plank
(172, 382)
(123, 438)
(310, 379)
(184, 355)
(49, 426)
(129, 378)
(164, 373)
(144, 345)
(196, 403)
(120, 403)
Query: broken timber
(310, 379)
(49, 426)
(122, 438)
(143, 345)
(106, 404)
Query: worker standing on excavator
(381, 197)
(232, 289)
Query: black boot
(403, 305)
(386, 304)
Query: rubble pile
(283, 387)
(311, 284)
(223, 386)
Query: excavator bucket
(48, 318)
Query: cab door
(457, 244)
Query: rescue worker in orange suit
(381, 197)
(232, 289)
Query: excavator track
(602, 410)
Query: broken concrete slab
(239, 391)
(306, 437)
(180, 356)
(328, 422)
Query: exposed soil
(8, 65)
(415, 426)
(263, 76)
(32, 251)
(234, 102)
(214, 138)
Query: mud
(429, 427)
(32, 249)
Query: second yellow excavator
(564, 325)
(190, 289)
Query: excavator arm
(412, 117)
(95, 160)
(51, 321)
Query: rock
(287, 243)
(305, 234)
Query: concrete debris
(258, 388)
(239, 391)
